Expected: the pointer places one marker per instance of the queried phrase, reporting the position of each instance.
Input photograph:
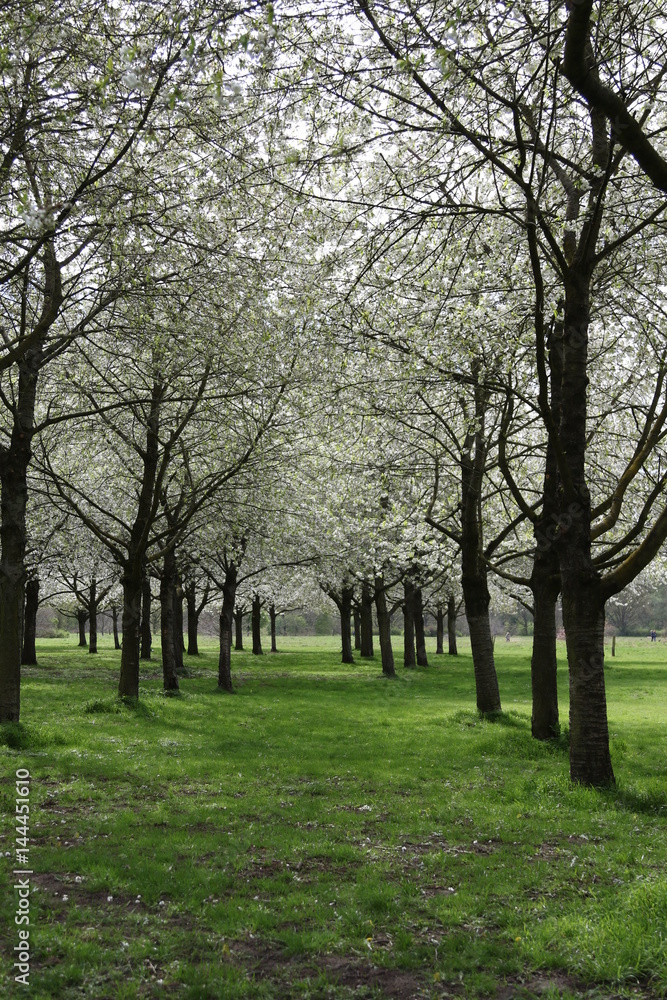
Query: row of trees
(363, 286)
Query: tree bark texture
(82, 618)
(583, 601)
(256, 626)
(409, 656)
(451, 626)
(193, 620)
(29, 654)
(356, 617)
(92, 614)
(114, 619)
(474, 572)
(128, 684)
(273, 614)
(226, 628)
(439, 629)
(146, 601)
(384, 628)
(345, 609)
(15, 459)
(366, 620)
(420, 635)
(238, 624)
(168, 638)
(179, 647)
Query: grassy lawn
(327, 833)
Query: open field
(326, 833)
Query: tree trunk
(256, 626)
(451, 626)
(384, 628)
(29, 654)
(193, 620)
(439, 628)
(226, 625)
(15, 458)
(114, 619)
(146, 600)
(345, 608)
(366, 616)
(420, 636)
(583, 603)
(474, 571)
(238, 623)
(545, 585)
(409, 658)
(82, 618)
(168, 639)
(128, 685)
(273, 615)
(356, 617)
(92, 612)
(179, 647)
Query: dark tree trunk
(452, 614)
(273, 614)
(384, 628)
(92, 611)
(168, 638)
(193, 620)
(128, 685)
(114, 619)
(583, 602)
(409, 658)
(474, 571)
(439, 628)
(146, 600)
(29, 654)
(179, 647)
(366, 615)
(543, 665)
(256, 626)
(345, 609)
(238, 623)
(15, 458)
(82, 618)
(420, 636)
(226, 627)
(356, 616)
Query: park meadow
(327, 832)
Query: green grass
(327, 833)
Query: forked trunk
(29, 654)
